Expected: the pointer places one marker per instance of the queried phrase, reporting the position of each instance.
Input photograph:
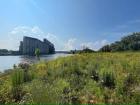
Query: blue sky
(69, 24)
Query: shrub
(47, 93)
(95, 75)
(24, 65)
(41, 69)
(108, 80)
(17, 80)
(37, 52)
(129, 85)
(5, 90)
(19, 76)
(28, 75)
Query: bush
(19, 76)
(95, 75)
(129, 85)
(108, 80)
(5, 90)
(24, 66)
(17, 80)
(47, 93)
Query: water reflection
(7, 62)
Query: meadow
(89, 78)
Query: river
(7, 62)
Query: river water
(7, 62)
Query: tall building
(29, 45)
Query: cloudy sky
(69, 24)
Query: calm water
(7, 62)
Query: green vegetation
(127, 43)
(37, 52)
(82, 78)
(8, 52)
(85, 50)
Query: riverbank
(101, 78)
(7, 62)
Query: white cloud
(16, 35)
(70, 44)
(53, 38)
(94, 45)
(37, 30)
(18, 32)
(87, 44)
(34, 31)
(59, 44)
(98, 44)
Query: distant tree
(14, 66)
(134, 46)
(127, 43)
(3, 51)
(73, 51)
(87, 50)
(37, 52)
(105, 48)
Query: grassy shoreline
(90, 78)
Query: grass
(95, 78)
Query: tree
(37, 52)
(127, 43)
(106, 48)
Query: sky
(69, 24)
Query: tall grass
(98, 78)
(19, 76)
(17, 80)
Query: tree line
(127, 43)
